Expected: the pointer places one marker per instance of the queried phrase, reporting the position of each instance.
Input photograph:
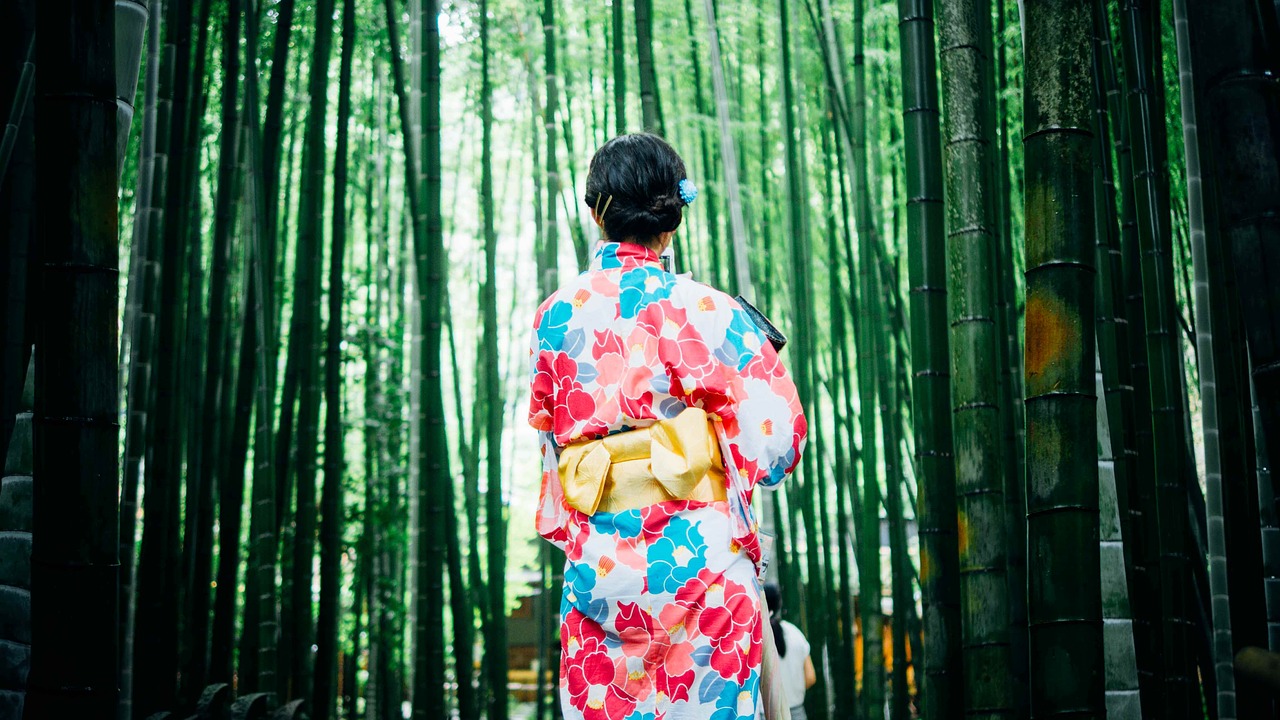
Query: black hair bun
(667, 211)
(628, 218)
(634, 182)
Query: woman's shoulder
(704, 297)
(566, 294)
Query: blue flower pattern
(579, 583)
(727, 699)
(735, 350)
(608, 256)
(554, 326)
(635, 293)
(667, 572)
(626, 524)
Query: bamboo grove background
(270, 446)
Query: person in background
(795, 664)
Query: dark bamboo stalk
(965, 39)
(307, 345)
(1144, 78)
(75, 573)
(619, 39)
(273, 124)
(196, 668)
(650, 100)
(156, 640)
(867, 329)
(496, 641)
(931, 388)
(430, 258)
(331, 505)
(141, 362)
(1233, 67)
(1064, 600)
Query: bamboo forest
(270, 270)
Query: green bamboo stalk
(899, 562)
(201, 471)
(842, 652)
(619, 38)
(871, 699)
(300, 635)
(891, 374)
(294, 370)
(373, 392)
(273, 124)
(156, 648)
(1064, 598)
(496, 641)
(1223, 655)
(1141, 50)
(965, 39)
(740, 280)
(548, 278)
(855, 522)
(940, 681)
(430, 262)
(1012, 416)
(817, 617)
(650, 99)
(238, 402)
(1112, 329)
(1121, 329)
(323, 704)
(147, 231)
(258, 656)
(198, 522)
(576, 232)
(1243, 548)
(800, 263)
(707, 192)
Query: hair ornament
(688, 191)
(600, 213)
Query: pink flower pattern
(661, 606)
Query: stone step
(15, 661)
(15, 503)
(15, 559)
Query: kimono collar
(625, 255)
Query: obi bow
(675, 459)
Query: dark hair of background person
(774, 597)
(642, 173)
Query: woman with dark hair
(795, 665)
(660, 407)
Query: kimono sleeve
(769, 429)
(750, 391)
(552, 516)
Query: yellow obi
(676, 459)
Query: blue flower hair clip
(688, 191)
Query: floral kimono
(661, 606)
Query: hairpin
(600, 213)
(688, 191)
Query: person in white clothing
(795, 666)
